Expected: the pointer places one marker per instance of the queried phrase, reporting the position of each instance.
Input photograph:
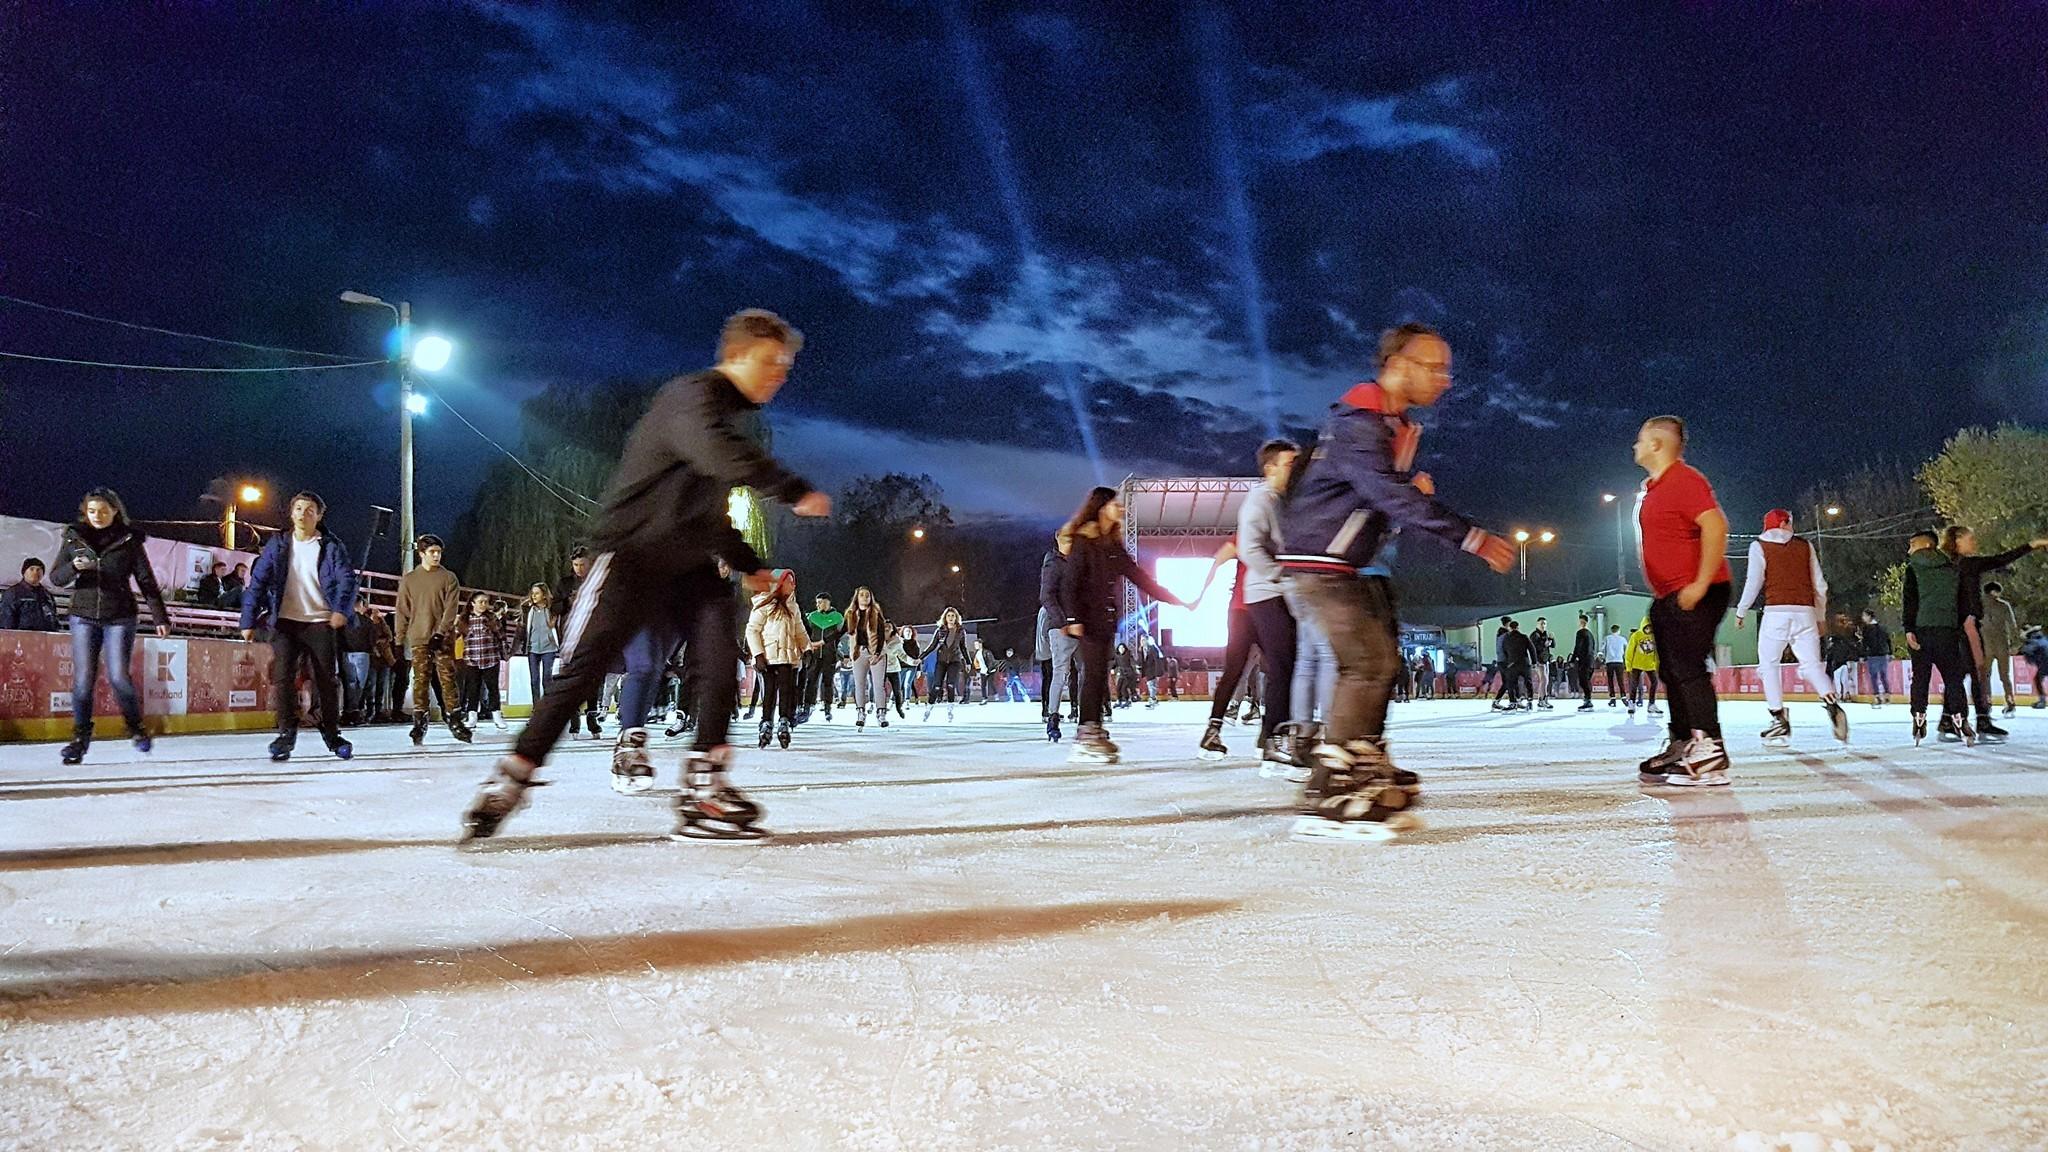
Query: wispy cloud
(1303, 122)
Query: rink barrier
(1745, 681)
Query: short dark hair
(579, 552)
(758, 324)
(33, 562)
(1543, 619)
(219, 564)
(1993, 586)
(428, 540)
(313, 496)
(1583, 618)
(1514, 625)
(1507, 620)
(1675, 423)
(1927, 534)
(1397, 338)
(1273, 448)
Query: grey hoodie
(1258, 544)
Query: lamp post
(1522, 539)
(1832, 511)
(432, 354)
(1620, 539)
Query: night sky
(1816, 233)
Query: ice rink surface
(959, 941)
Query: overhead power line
(560, 491)
(168, 331)
(188, 368)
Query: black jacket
(1514, 650)
(1877, 641)
(1970, 571)
(670, 499)
(950, 644)
(1542, 646)
(1049, 585)
(1582, 648)
(1088, 584)
(99, 579)
(29, 607)
(1839, 649)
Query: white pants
(1794, 626)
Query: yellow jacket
(1642, 650)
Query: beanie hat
(1776, 518)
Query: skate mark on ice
(60, 793)
(93, 983)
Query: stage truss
(1186, 515)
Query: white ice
(958, 941)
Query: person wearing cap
(429, 604)
(29, 606)
(1785, 571)
(1684, 537)
(303, 589)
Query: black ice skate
(1092, 745)
(1779, 733)
(74, 752)
(461, 732)
(632, 771)
(1656, 768)
(142, 742)
(1919, 727)
(1355, 793)
(1212, 747)
(782, 734)
(1989, 733)
(1052, 729)
(1705, 764)
(502, 795)
(342, 749)
(710, 808)
(419, 729)
(1839, 720)
(280, 750)
(767, 734)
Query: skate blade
(1272, 771)
(1357, 831)
(703, 832)
(1211, 757)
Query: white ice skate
(632, 770)
(1363, 831)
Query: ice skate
(74, 752)
(1967, 734)
(498, 722)
(1705, 764)
(419, 729)
(632, 771)
(2009, 710)
(1779, 733)
(860, 720)
(1657, 767)
(461, 732)
(342, 750)
(782, 734)
(1839, 719)
(1586, 707)
(767, 734)
(1052, 729)
(1919, 727)
(710, 808)
(1357, 785)
(140, 739)
(502, 795)
(1654, 710)
(1211, 746)
(1092, 745)
(882, 717)
(1989, 733)
(280, 750)
(674, 730)
(1945, 730)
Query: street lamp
(1522, 538)
(917, 533)
(956, 569)
(236, 494)
(1832, 510)
(1620, 539)
(430, 355)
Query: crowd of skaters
(650, 609)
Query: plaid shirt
(483, 646)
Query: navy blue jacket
(1358, 488)
(29, 608)
(263, 601)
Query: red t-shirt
(1669, 521)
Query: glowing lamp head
(251, 494)
(1834, 510)
(917, 533)
(956, 569)
(1521, 536)
(1547, 536)
(1608, 497)
(432, 353)
(416, 404)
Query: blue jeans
(646, 657)
(1880, 669)
(1315, 665)
(540, 672)
(113, 640)
(1013, 690)
(355, 680)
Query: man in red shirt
(1685, 541)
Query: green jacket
(1932, 591)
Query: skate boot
(419, 729)
(74, 752)
(632, 771)
(1052, 729)
(1989, 733)
(675, 729)
(1779, 733)
(949, 713)
(342, 749)
(1211, 747)
(860, 720)
(1705, 764)
(710, 808)
(1945, 730)
(1967, 734)
(1092, 745)
(281, 749)
(1654, 710)
(502, 795)
(1656, 768)
(140, 739)
(767, 733)
(1281, 758)
(882, 717)
(461, 732)
(1355, 793)
(1838, 719)
(782, 734)
(1919, 727)
(596, 730)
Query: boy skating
(663, 526)
(1785, 571)
(1361, 483)
(429, 601)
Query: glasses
(1440, 371)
